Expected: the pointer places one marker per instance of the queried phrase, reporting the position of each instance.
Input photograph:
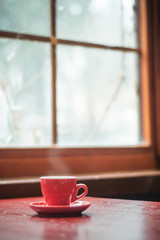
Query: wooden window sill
(99, 185)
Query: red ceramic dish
(74, 208)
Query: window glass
(25, 93)
(111, 22)
(30, 16)
(97, 97)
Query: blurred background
(97, 89)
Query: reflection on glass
(111, 22)
(97, 99)
(25, 93)
(31, 16)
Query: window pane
(25, 93)
(111, 22)
(31, 16)
(97, 98)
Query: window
(25, 74)
(97, 75)
(70, 77)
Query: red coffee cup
(61, 190)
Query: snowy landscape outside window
(69, 74)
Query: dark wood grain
(100, 185)
(155, 60)
(105, 219)
(74, 161)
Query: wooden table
(105, 219)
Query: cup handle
(78, 186)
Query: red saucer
(75, 208)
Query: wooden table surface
(105, 219)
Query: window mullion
(53, 63)
(94, 45)
(21, 36)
